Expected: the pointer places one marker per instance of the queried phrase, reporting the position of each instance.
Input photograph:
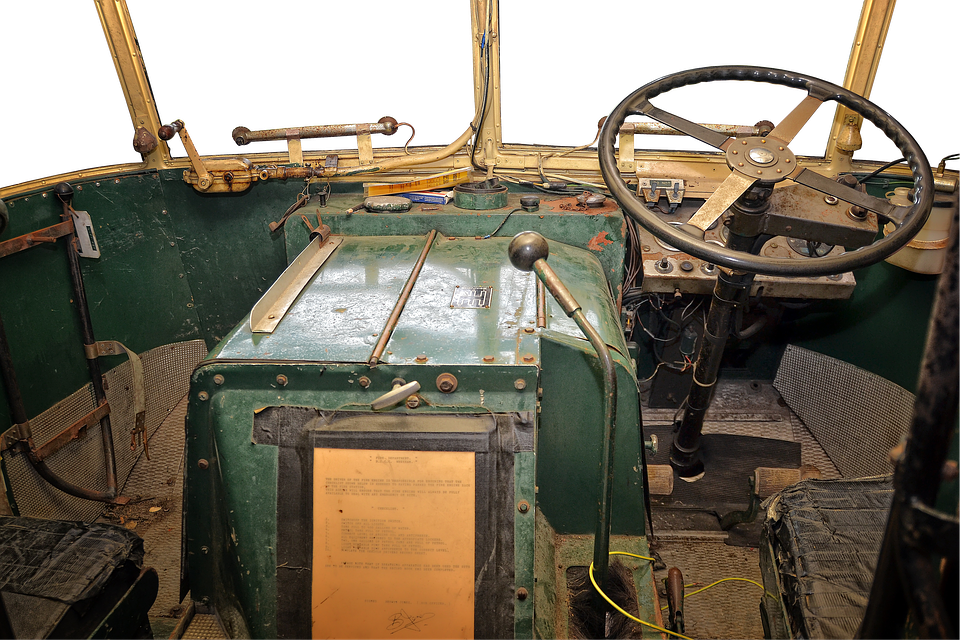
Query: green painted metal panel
(339, 315)
(231, 503)
(229, 254)
(569, 440)
(431, 326)
(603, 234)
(136, 290)
(524, 470)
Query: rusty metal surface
(802, 213)
(401, 301)
(41, 236)
(655, 128)
(243, 136)
(73, 432)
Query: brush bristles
(587, 620)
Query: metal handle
(399, 393)
(528, 252)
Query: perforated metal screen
(855, 415)
(166, 377)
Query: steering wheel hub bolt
(760, 155)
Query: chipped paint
(596, 242)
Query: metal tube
(401, 302)
(18, 414)
(93, 364)
(601, 544)
(541, 305)
(656, 128)
(729, 293)
(387, 126)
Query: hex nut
(447, 383)
(523, 506)
(218, 379)
(364, 381)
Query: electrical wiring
(687, 595)
(485, 57)
(632, 617)
(502, 222)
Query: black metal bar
(93, 363)
(731, 291)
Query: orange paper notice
(393, 544)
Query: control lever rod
(528, 252)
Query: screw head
(218, 379)
(364, 381)
(203, 464)
(488, 358)
(421, 358)
(205, 550)
(282, 380)
(203, 395)
(528, 358)
(519, 384)
(529, 330)
(413, 402)
(831, 199)
(522, 594)
(523, 506)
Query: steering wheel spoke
(790, 126)
(830, 187)
(713, 138)
(769, 159)
(734, 186)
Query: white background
(218, 65)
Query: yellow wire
(713, 584)
(632, 555)
(617, 607)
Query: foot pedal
(770, 480)
(660, 478)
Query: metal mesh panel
(166, 377)
(202, 627)
(855, 415)
(710, 614)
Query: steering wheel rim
(821, 90)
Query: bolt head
(218, 379)
(203, 395)
(364, 381)
(519, 384)
(421, 358)
(447, 383)
(488, 358)
(522, 594)
(203, 464)
(282, 380)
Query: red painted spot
(596, 242)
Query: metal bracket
(42, 236)
(74, 432)
(115, 348)
(86, 237)
(652, 188)
(270, 309)
(16, 434)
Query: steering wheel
(768, 160)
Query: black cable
(881, 169)
(502, 222)
(484, 51)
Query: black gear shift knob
(526, 248)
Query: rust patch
(596, 242)
(571, 204)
